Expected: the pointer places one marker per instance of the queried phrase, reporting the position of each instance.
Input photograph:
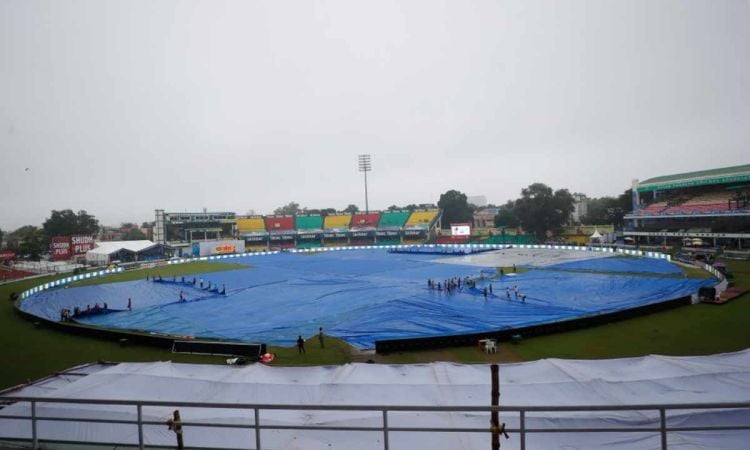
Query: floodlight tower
(365, 166)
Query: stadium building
(708, 208)
(181, 229)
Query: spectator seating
(251, 225)
(716, 201)
(279, 223)
(361, 220)
(422, 218)
(393, 219)
(337, 221)
(309, 222)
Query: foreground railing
(522, 430)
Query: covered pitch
(363, 296)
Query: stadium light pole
(365, 166)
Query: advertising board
(7, 255)
(81, 243)
(60, 248)
(220, 247)
(460, 229)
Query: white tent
(645, 380)
(105, 249)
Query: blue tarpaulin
(366, 295)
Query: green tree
(455, 208)
(540, 210)
(1, 237)
(66, 223)
(608, 210)
(506, 217)
(134, 234)
(27, 240)
(351, 209)
(287, 210)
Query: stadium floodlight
(365, 166)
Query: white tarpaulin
(645, 380)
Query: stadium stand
(312, 222)
(251, 225)
(709, 206)
(393, 219)
(422, 218)
(362, 228)
(279, 223)
(281, 232)
(253, 231)
(337, 221)
(309, 231)
(361, 220)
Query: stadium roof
(699, 178)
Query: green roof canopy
(699, 178)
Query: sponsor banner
(60, 248)
(255, 237)
(282, 238)
(309, 236)
(383, 233)
(687, 234)
(460, 229)
(7, 255)
(362, 234)
(220, 247)
(694, 182)
(82, 243)
(335, 235)
(420, 232)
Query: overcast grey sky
(121, 107)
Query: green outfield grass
(29, 352)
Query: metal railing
(385, 428)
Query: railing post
(140, 427)
(257, 429)
(385, 429)
(523, 430)
(34, 438)
(663, 427)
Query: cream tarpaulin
(651, 379)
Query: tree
(1, 238)
(134, 234)
(287, 210)
(27, 240)
(455, 208)
(506, 217)
(540, 210)
(327, 211)
(608, 210)
(351, 209)
(68, 223)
